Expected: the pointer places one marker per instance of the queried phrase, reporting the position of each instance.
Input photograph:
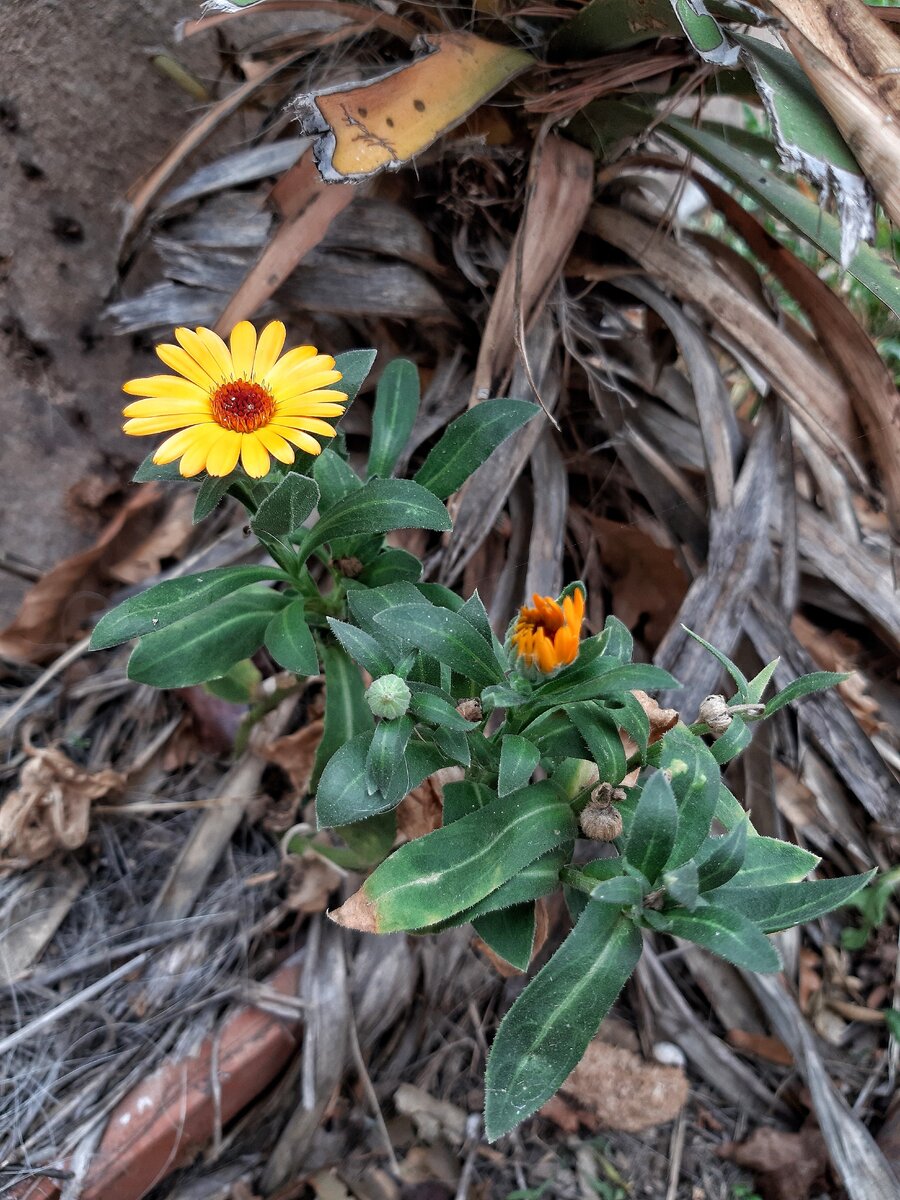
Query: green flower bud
(388, 697)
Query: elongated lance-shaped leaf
(454, 744)
(736, 738)
(379, 506)
(622, 891)
(469, 440)
(396, 406)
(285, 508)
(209, 495)
(652, 833)
(627, 712)
(362, 648)
(334, 478)
(721, 858)
(510, 933)
(354, 366)
(817, 681)
(446, 635)
(683, 885)
(342, 797)
(289, 641)
(733, 669)
(760, 682)
(727, 933)
(546, 1032)
(783, 905)
(392, 565)
(168, 602)
(601, 738)
(770, 861)
(518, 759)
(438, 711)
(207, 644)
(695, 782)
(436, 876)
(620, 678)
(346, 710)
(387, 754)
(465, 796)
(365, 605)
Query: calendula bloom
(243, 401)
(545, 636)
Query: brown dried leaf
(613, 1088)
(771, 1049)
(295, 753)
(356, 913)
(54, 611)
(311, 881)
(50, 809)
(787, 1166)
(166, 539)
(432, 1117)
(837, 651)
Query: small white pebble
(669, 1054)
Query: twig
(369, 1089)
(64, 660)
(676, 1152)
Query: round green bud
(388, 697)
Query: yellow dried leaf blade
(382, 124)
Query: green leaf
(626, 712)
(538, 879)
(159, 606)
(518, 759)
(760, 682)
(704, 33)
(683, 884)
(621, 890)
(652, 833)
(209, 496)
(386, 755)
(365, 605)
(736, 738)
(469, 440)
(817, 681)
(354, 366)
(729, 811)
(465, 796)
(334, 478)
(556, 736)
(780, 906)
(370, 841)
(733, 669)
(617, 641)
(500, 696)
(391, 566)
(379, 506)
(396, 406)
(722, 857)
(727, 933)
(783, 200)
(447, 636)
(602, 740)
(606, 25)
(285, 508)
(768, 861)
(454, 744)
(436, 876)
(695, 783)
(342, 798)
(238, 685)
(346, 710)
(361, 647)
(206, 644)
(615, 681)
(438, 711)
(149, 472)
(289, 640)
(510, 933)
(545, 1033)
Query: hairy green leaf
(653, 827)
(285, 508)
(722, 857)
(396, 405)
(817, 681)
(379, 506)
(780, 906)
(447, 636)
(518, 759)
(469, 440)
(601, 738)
(289, 640)
(362, 648)
(509, 932)
(725, 932)
(346, 710)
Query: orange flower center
(242, 405)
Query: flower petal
(165, 406)
(179, 360)
(291, 361)
(254, 456)
(299, 382)
(218, 350)
(139, 426)
(200, 352)
(243, 348)
(170, 386)
(176, 445)
(310, 424)
(194, 459)
(297, 438)
(270, 344)
(275, 444)
(224, 453)
(305, 408)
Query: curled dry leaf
(50, 809)
(661, 721)
(432, 1117)
(835, 651)
(55, 611)
(364, 128)
(357, 913)
(295, 753)
(311, 881)
(422, 810)
(613, 1088)
(787, 1166)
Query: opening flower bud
(388, 697)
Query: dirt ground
(83, 112)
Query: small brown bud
(470, 709)
(601, 822)
(713, 711)
(349, 567)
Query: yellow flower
(546, 635)
(243, 403)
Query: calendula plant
(558, 742)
